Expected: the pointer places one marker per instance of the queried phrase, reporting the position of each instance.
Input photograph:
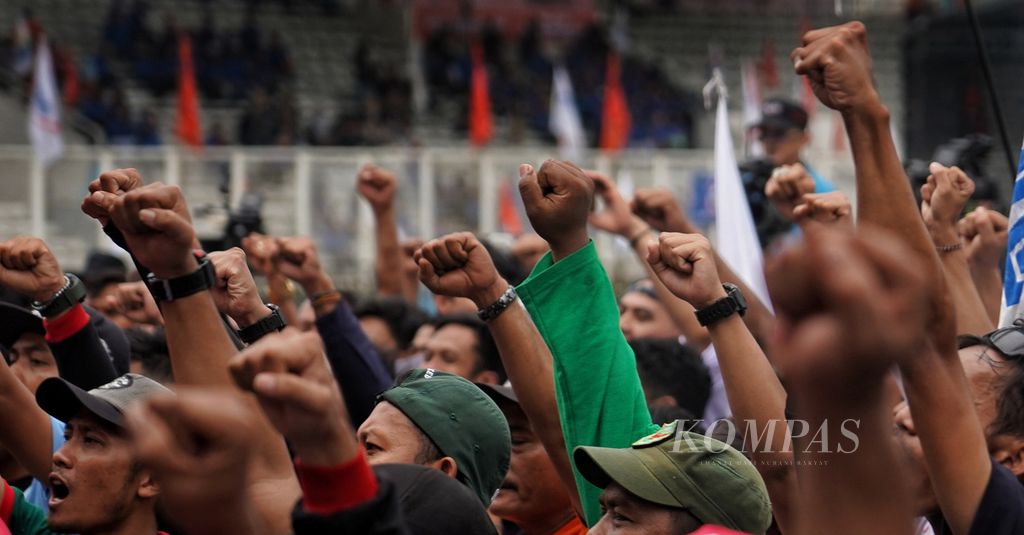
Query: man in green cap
(674, 482)
(440, 420)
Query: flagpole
(986, 70)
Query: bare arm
(684, 264)
(378, 187)
(943, 197)
(157, 228)
(984, 232)
(527, 359)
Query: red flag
(508, 213)
(187, 127)
(481, 126)
(615, 119)
(769, 71)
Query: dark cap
(499, 393)
(462, 421)
(433, 503)
(16, 321)
(63, 400)
(781, 114)
(114, 340)
(675, 468)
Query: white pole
(303, 194)
(488, 196)
(37, 198)
(426, 206)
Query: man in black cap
(783, 132)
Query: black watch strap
(732, 303)
(268, 324)
(199, 280)
(72, 293)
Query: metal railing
(311, 191)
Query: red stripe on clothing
(65, 326)
(7, 502)
(328, 489)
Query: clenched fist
(685, 264)
(28, 267)
(838, 65)
(458, 265)
(659, 208)
(105, 190)
(985, 232)
(557, 199)
(377, 186)
(157, 228)
(944, 196)
(787, 186)
(297, 259)
(832, 208)
(616, 216)
(235, 293)
(293, 382)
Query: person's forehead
(87, 421)
(980, 363)
(517, 420)
(639, 300)
(453, 335)
(388, 421)
(30, 339)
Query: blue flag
(1013, 277)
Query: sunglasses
(1008, 340)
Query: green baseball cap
(463, 422)
(676, 468)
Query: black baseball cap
(433, 503)
(782, 114)
(64, 401)
(16, 321)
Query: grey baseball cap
(64, 401)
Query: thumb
(427, 274)
(167, 222)
(983, 224)
(529, 186)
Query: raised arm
(357, 366)
(984, 231)
(261, 250)
(848, 309)
(616, 218)
(837, 62)
(157, 229)
(569, 297)
(686, 266)
(378, 186)
(468, 271)
(658, 207)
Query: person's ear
(664, 401)
(446, 465)
(488, 377)
(1009, 452)
(148, 487)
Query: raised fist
(837, 63)
(787, 186)
(106, 189)
(377, 186)
(944, 195)
(135, 301)
(157, 228)
(293, 382)
(685, 264)
(458, 265)
(198, 445)
(832, 208)
(985, 232)
(659, 209)
(235, 293)
(262, 251)
(849, 307)
(297, 259)
(616, 217)
(28, 267)
(557, 199)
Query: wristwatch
(199, 280)
(72, 293)
(268, 324)
(732, 303)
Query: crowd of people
(873, 394)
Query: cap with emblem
(675, 468)
(462, 421)
(63, 400)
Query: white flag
(735, 235)
(44, 109)
(751, 108)
(564, 121)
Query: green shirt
(21, 517)
(600, 400)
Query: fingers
(292, 390)
(301, 354)
(529, 186)
(117, 181)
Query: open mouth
(59, 489)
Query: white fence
(311, 191)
